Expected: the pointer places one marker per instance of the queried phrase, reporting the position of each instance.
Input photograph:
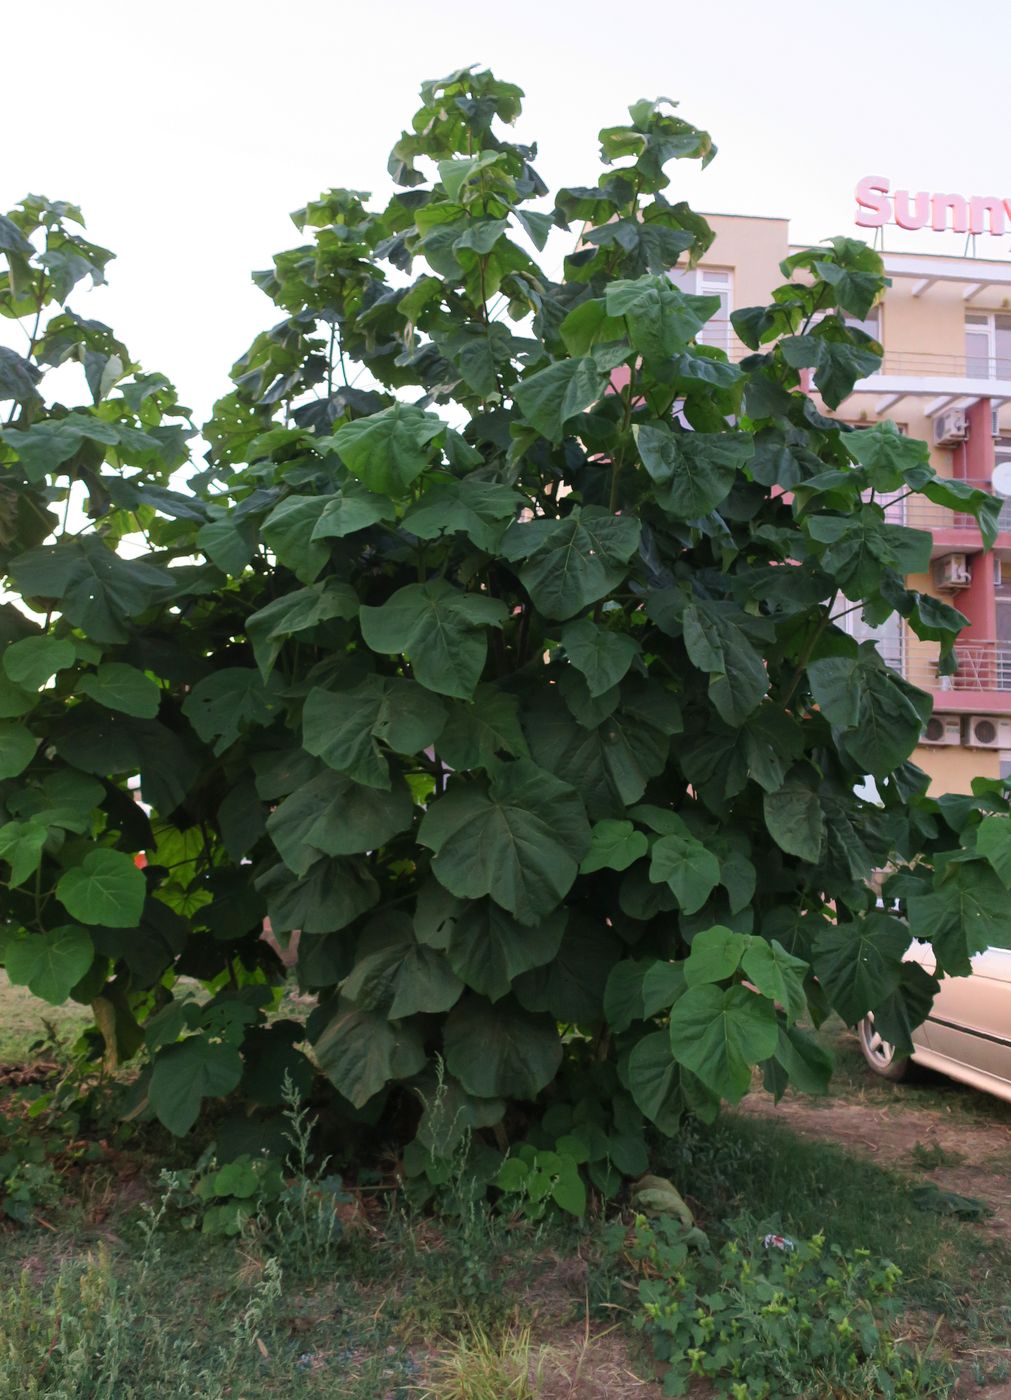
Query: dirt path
(979, 1152)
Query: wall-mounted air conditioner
(950, 428)
(950, 572)
(988, 732)
(942, 729)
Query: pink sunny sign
(979, 213)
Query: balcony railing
(982, 665)
(930, 362)
(720, 333)
(921, 514)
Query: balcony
(982, 666)
(992, 369)
(921, 514)
(942, 380)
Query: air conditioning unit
(987, 732)
(950, 428)
(942, 729)
(951, 571)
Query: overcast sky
(188, 131)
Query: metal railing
(921, 514)
(930, 362)
(720, 333)
(981, 665)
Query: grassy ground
(25, 1021)
(100, 1304)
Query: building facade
(945, 327)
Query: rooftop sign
(980, 213)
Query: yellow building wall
(953, 768)
(752, 249)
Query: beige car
(968, 1032)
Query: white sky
(187, 131)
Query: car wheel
(882, 1056)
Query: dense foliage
(496, 649)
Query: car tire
(881, 1056)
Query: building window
(987, 345)
(710, 282)
(888, 637)
(870, 324)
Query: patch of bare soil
(580, 1365)
(979, 1152)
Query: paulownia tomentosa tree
(497, 649)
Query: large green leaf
(343, 728)
(294, 614)
(880, 713)
(482, 730)
(859, 963)
(388, 451)
(441, 630)
(14, 700)
(21, 846)
(690, 871)
(334, 816)
(993, 840)
(288, 534)
(793, 814)
(777, 974)
(614, 845)
(185, 1074)
(90, 585)
(661, 319)
(395, 973)
(489, 949)
(571, 986)
(655, 1081)
(17, 749)
(610, 764)
(966, 913)
(361, 1051)
(552, 397)
(806, 1063)
(118, 686)
(601, 655)
(328, 897)
(717, 643)
(693, 472)
(720, 1033)
(228, 543)
(104, 742)
(229, 700)
(106, 888)
(715, 955)
(623, 1002)
(351, 510)
(34, 660)
(501, 1051)
(479, 509)
(518, 839)
(45, 446)
(569, 564)
(887, 455)
(49, 964)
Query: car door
(922, 953)
(970, 1021)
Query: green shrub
(768, 1318)
(497, 650)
